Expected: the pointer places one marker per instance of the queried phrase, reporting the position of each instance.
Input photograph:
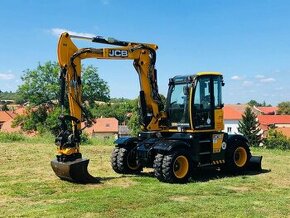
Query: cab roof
(189, 78)
(208, 73)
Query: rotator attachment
(255, 163)
(69, 164)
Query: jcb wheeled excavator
(175, 139)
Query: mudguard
(125, 141)
(168, 145)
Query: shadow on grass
(198, 175)
(201, 175)
(208, 174)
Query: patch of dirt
(180, 198)
(237, 189)
(121, 182)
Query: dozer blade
(255, 163)
(74, 171)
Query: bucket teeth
(73, 171)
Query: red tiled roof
(6, 115)
(238, 107)
(268, 110)
(274, 119)
(104, 125)
(6, 127)
(20, 111)
(231, 113)
(284, 130)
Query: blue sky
(247, 40)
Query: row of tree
(41, 88)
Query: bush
(11, 137)
(276, 140)
(98, 141)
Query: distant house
(281, 122)
(104, 128)
(232, 116)
(6, 116)
(284, 130)
(123, 130)
(7, 127)
(265, 110)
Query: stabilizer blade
(255, 163)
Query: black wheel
(157, 165)
(114, 160)
(123, 160)
(237, 157)
(175, 167)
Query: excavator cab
(195, 103)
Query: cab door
(207, 103)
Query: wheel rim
(240, 156)
(131, 161)
(180, 167)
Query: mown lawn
(28, 187)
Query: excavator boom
(69, 164)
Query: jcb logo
(118, 53)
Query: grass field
(29, 188)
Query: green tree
(257, 104)
(4, 107)
(94, 88)
(249, 127)
(284, 107)
(117, 109)
(36, 117)
(41, 85)
(134, 122)
(253, 103)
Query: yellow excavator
(184, 134)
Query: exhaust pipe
(255, 164)
(74, 171)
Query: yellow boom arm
(143, 55)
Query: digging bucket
(74, 171)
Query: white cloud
(259, 76)
(279, 88)
(58, 31)
(267, 80)
(247, 83)
(7, 76)
(236, 78)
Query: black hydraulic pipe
(110, 41)
(100, 39)
(143, 108)
(62, 86)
